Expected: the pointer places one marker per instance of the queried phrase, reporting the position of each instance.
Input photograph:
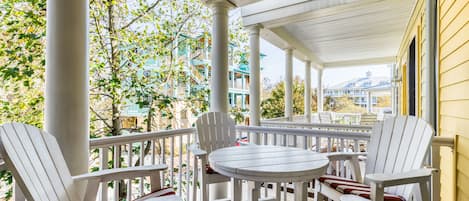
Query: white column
(429, 106)
(308, 91)
(219, 82)
(66, 83)
(255, 80)
(320, 97)
(289, 84)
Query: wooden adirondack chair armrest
(413, 176)
(194, 148)
(246, 144)
(345, 155)
(352, 157)
(121, 173)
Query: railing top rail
(316, 125)
(137, 137)
(305, 132)
(275, 119)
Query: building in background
(197, 63)
(364, 92)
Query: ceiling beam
(361, 62)
(288, 11)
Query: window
(412, 79)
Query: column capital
(289, 50)
(220, 4)
(254, 29)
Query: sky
(274, 68)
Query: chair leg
(317, 191)
(377, 192)
(277, 191)
(204, 187)
(424, 190)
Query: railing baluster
(130, 162)
(116, 165)
(153, 151)
(180, 166)
(171, 163)
(285, 141)
(103, 165)
(142, 163)
(295, 141)
(163, 151)
(188, 163)
(356, 146)
(318, 144)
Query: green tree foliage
(342, 104)
(21, 65)
(135, 57)
(273, 105)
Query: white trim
(361, 62)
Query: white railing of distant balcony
(341, 118)
(322, 126)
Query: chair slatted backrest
(325, 117)
(368, 119)
(37, 164)
(215, 130)
(399, 144)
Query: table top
(268, 163)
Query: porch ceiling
(333, 33)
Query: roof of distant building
(368, 83)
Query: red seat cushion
(158, 193)
(348, 186)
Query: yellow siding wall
(453, 114)
(454, 94)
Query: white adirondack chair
(37, 164)
(368, 119)
(394, 164)
(325, 117)
(214, 130)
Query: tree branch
(101, 118)
(140, 15)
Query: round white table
(270, 164)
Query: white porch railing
(169, 147)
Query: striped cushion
(158, 193)
(348, 186)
